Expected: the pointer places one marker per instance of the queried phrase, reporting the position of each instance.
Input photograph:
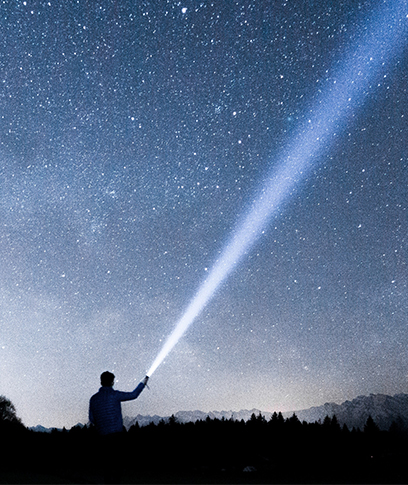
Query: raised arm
(129, 396)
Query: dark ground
(277, 451)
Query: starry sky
(133, 136)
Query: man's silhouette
(105, 410)
(105, 413)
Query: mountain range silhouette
(384, 409)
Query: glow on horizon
(338, 100)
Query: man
(105, 410)
(105, 413)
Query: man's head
(107, 379)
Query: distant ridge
(40, 429)
(382, 408)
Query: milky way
(133, 136)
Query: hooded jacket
(105, 410)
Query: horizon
(264, 413)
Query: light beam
(356, 79)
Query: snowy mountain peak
(382, 408)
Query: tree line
(258, 450)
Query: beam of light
(357, 78)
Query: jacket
(105, 410)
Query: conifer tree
(371, 427)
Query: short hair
(107, 378)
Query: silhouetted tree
(173, 420)
(11, 433)
(8, 411)
(327, 422)
(293, 423)
(256, 422)
(371, 427)
(331, 425)
(277, 421)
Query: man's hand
(145, 380)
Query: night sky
(134, 135)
